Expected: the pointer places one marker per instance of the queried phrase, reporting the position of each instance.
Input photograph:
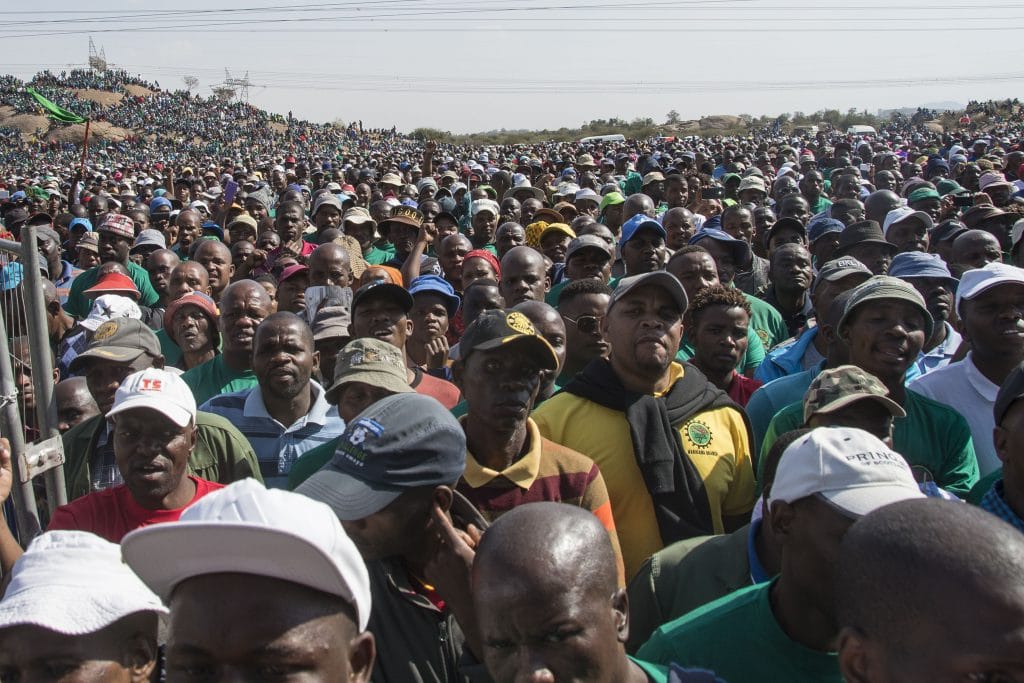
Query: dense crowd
(703, 409)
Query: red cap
(114, 283)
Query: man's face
(884, 337)
(302, 635)
(739, 225)
(725, 260)
(938, 296)
(152, 454)
(695, 270)
(885, 180)
(241, 252)
(590, 263)
(480, 299)
(289, 223)
(796, 207)
(104, 377)
(390, 532)
(429, 317)
(791, 269)
(931, 206)
(327, 216)
(114, 247)
(33, 653)
(187, 277)
(381, 318)
(720, 338)
(291, 294)
(283, 358)
(508, 237)
(993, 322)
(584, 336)
(554, 245)
(355, 397)
(74, 404)
(49, 250)
(847, 187)
(216, 258)
(811, 185)
(875, 256)
(847, 215)
(676, 193)
(560, 632)
(191, 330)
(451, 256)
(484, 225)
(679, 227)
(241, 312)
(190, 228)
(908, 235)
(403, 237)
(644, 330)
(976, 251)
(501, 385)
(522, 280)
(329, 269)
(643, 252)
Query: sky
(479, 65)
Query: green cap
(611, 199)
(885, 287)
(372, 362)
(838, 387)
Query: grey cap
(657, 278)
(838, 268)
(402, 442)
(587, 242)
(148, 238)
(886, 287)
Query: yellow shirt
(716, 441)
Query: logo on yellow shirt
(698, 433)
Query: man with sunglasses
(582, 305)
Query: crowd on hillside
(339, 404)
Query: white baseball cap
(903, 213)
(109, 306)
(245, 528)
(74, 583)
(159, 390)
(852, 469)
(977, 280)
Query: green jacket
(221, 454)
(683, 577)
(78, 304)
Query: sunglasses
(587, 324)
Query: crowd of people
(726, 409)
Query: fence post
(42, 365)
(24, 497)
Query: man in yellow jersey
(673, 449)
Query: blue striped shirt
(277, 447)
(995, 503)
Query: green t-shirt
(767, 322)
(171, 351)
(632, 183)
(979, 490)
(311, 462)
(214, 378)
(377, 257)
(738, 638)
(933, 438)
(753, 357)
(78, 304)
(655, 672)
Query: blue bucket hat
(913, 264)
(741, 250)
(636, 223)
(437, 285)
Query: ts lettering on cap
(148, 384)
(105, 331)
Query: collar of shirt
(994, 502)
(949, 345)
(982, 384)
(254, 407)
(758, 574)
(523, 472)
(67, 273)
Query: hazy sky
(475, 65)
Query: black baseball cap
(495, 329)
(1011, 390)
(382, 288)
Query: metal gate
(40, 453)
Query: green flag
(56, 112)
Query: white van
(618, 137)
(861, 130)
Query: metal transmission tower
(97, 60)
(243, 83)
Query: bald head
(330, 265)
(879, 203)
(275, 322)
(523, 275)
(539, 543)
(637, 203)
(907, 576)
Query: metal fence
(31, 428)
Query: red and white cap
(159, 390)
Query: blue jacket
(787, 358)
